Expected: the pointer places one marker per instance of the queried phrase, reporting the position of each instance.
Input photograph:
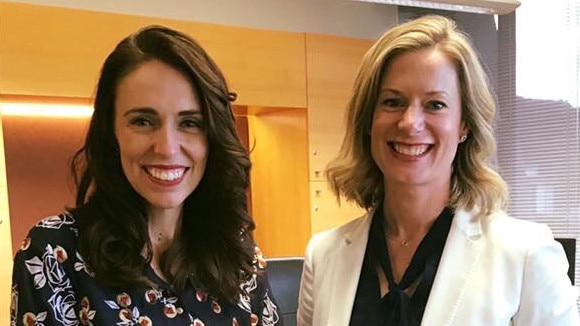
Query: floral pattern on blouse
(52, 285)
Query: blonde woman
(435, 247)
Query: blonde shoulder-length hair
(353, 174)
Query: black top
(397, 307)
(51, 285)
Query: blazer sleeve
(548, 297)
(306, 294)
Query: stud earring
(463, 138)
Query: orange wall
(279, 141)
(37, 150)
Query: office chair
(284, 277)
(569, 245)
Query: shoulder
(323, 242)
(518, 241)
(515, 233)
(56, 231)
(547, 295)
(258, 299)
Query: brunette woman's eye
(191, 123)
(141, 122)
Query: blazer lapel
(460, 255)
(346, 268)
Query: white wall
(335, 17)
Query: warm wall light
(46, 110)
(499, 7)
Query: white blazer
(493, 271)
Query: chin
(407, 180)
(166, 204)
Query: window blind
(539, 117)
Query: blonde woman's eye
(437, 105)
(393, 102)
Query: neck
(164, 227)
(410, 212)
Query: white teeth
(166, 175)
(414, 150)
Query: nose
(412, 119)
(166, 141)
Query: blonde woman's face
(417, 122)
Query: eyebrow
(151, 111)
(392, 90)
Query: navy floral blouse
(51, 285)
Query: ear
(464, 131)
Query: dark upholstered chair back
(284, 277)
(569, 245)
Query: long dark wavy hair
(214, 251)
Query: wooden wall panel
(52, 51)
(332, 63)
(325, 211)
(280, 198)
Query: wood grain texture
(280, 198)
(50, 51)
(332, 63)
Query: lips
(410, 150)
(165, 174)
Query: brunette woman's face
(159, 128)
(417, 122)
